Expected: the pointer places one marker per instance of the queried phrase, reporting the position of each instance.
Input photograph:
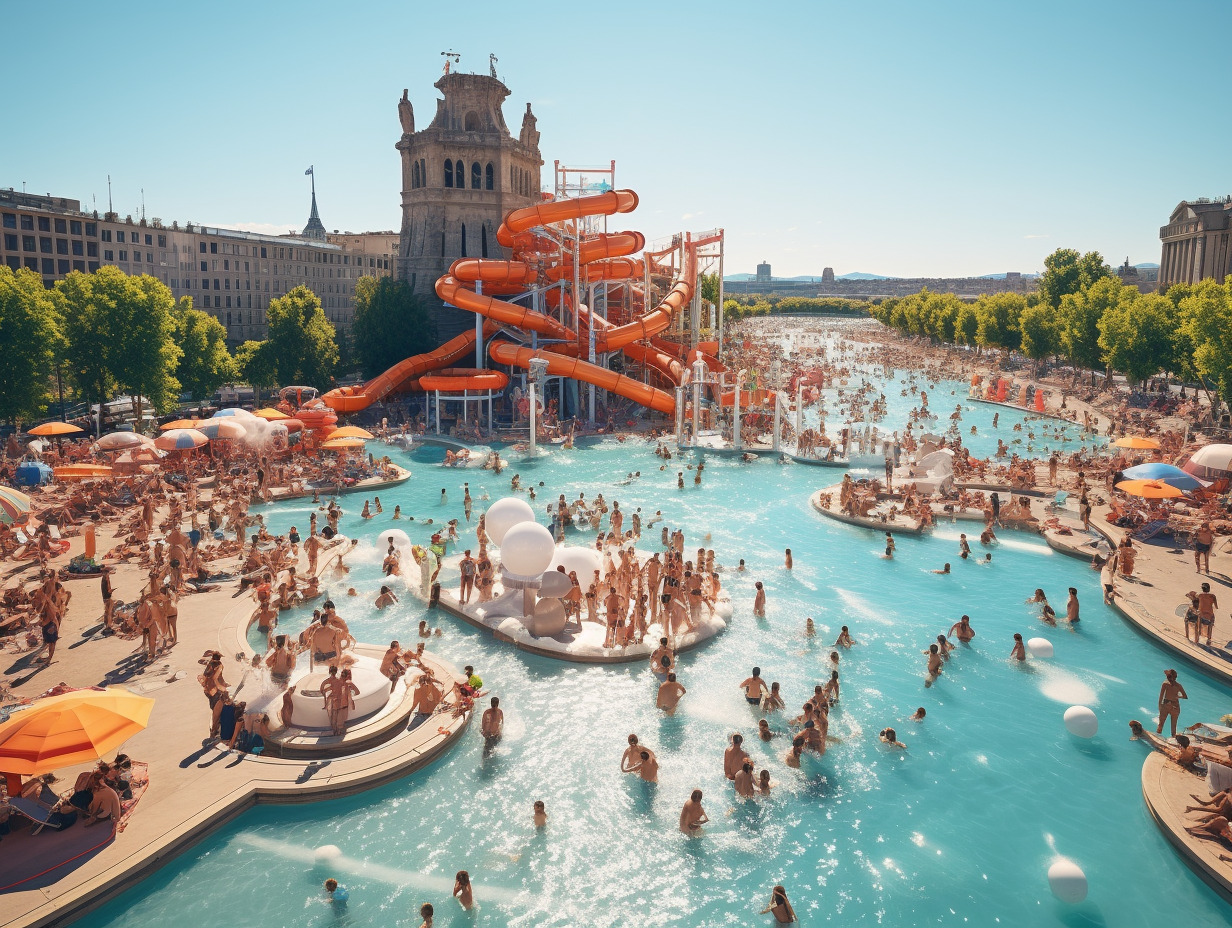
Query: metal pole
(736, 412)
(680, 416)
(438, 412)
(478, 329)
(778, 405)
(799, 410)
(530, 392)
(719, 352)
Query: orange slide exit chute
(601, 204)
(492, 271)
(658, 319)
(459, 379)
(663, 363)
(562, 366)
(451, 290)
(353, 399)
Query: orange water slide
(452, 291)
(562, 366)
(667, 366)
(459, 379)
(552, 211)
(353, 399)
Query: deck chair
(1150, 530)
(1058, 502)
(42, 811)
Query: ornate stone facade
(1196, 242)
(460, 176)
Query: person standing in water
(693, 816)
(1170, 694)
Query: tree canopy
(1067, 272)
(301, 339)
(391, 324)
(205, 363)
(29, 333)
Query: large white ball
(583, 560)
(554, 584)
(326, 853)
(1040, 647)
(504, 514)
(400, 538)
(1068, 882)
(1081, 721)
(527, 549)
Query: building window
(448, 173)
(415, 175)
(61, 226)
(216, 287)
(226, 264)
(77, 248)
(149, 240)
(79, 265)
(228, 302)
(106, 235)
(423, 171)
(10, 220)
(74, 226)
(49, 266)
(483, 241)
(32, 264)
(92, 249)
(92, 229)
(123, 255)
(262, 251)
(442, 244)
(27, 223)
(14, 262)
(162, 241)
(27, 243)
(489, 175)
(459, 174)
(213, 248)
(61, 246)
(476, 175)
(108, 254)
(204, 266)
(62, 266)
(464, 239)
(92, 265)
(10, 242)
(44, 224)
(228, 320)
(45, 244)
(120, 235)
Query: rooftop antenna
(110, 209)
(492, 59)
(450, 56)
(143, 204)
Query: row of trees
(1083, 313)
(758, 305)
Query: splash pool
(959, 829)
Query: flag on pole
(309, 171)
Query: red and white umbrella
(1214, 462)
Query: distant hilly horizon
(863, 275)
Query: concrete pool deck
(1167, 790)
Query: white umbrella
(122, 441)
(1210, 463)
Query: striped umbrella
(230, 427)
(180, 440)
(122, 441)
(13, 504)
(179, 424)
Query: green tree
(91, 329)
(1136, 334)
(205, 364)
(1067, 272)
(708, 284)
(1208, 320)
(391, 324)
(302, 339)
(1040, 336)
(1079, 322)
(256, 363)
(998, 320)
(29, 333)
(145, 357)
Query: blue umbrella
(1164, 473)
(230, 411)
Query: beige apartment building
(231, 274)
(1196, 242)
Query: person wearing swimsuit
(1170, 694)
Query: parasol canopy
(180, 440)
(1164, 473)
(13, 504)
(1135, 441)
(55, 428)
(1149, 489)
(271, 414)
(1214, 462)
(350, 431)
(342, 444)
(73, 728)
(122, 441)
(229, 427)
(81, 472)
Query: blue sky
(925, 138)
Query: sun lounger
(42, 811)
(1058, 501)
(1150, 530)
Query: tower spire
(315, 228)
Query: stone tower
(460, 176)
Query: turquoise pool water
(958, 830)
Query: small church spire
(315, 228)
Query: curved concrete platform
(371, 485)
(1167, 790)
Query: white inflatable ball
(1039, 647)
(554, 584)
(504, 514)
(584, 561)
(326, 853)
(549, 618)
(527, 549)
(1081, 721)
(400, 538)
(1068, 882)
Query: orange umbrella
(1149, 489)
(1135, 441)
(270, 414)
(180, 424)
(81, 472)
(342, 444)
(73, 728)
(55, 428)
(350, 431)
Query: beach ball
(527, 549)
(585, 561)
(1039, 647)
(326, 853)
(1081, 721)
(504, 514)
(1067, 881)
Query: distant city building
(827, 275)
(230, 274)
(379, 250)
(1146, 279)
(460, 176)
(972, 287)
(1195, 242)
(763, 273)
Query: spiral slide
(560, 365)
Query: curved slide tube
(451, 290)
(460, 379)
(667, 366)
(562, 366)
(527, 218)
(353, 399)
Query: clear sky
(904, 138)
